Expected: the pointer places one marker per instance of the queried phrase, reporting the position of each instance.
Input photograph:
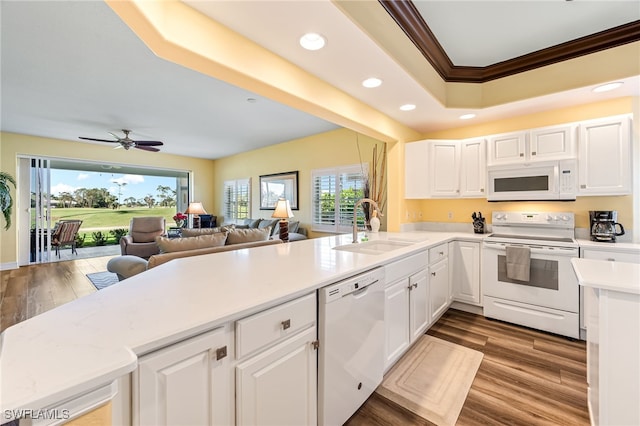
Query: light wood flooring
(526, 377)
(32, 290)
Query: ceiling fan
(127, 142)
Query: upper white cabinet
(187, 383)
(473, 167)
(545, 143)
(444, 168)
(416, 172)
(604, 156)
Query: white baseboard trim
(8, 266)
(472, 309)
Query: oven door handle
(559, 251)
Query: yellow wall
(461, 209)
(330, 149)
(12, 145)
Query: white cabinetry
(473, 168)
(438, 281)
(406, 305)
(445, 168)
(545, 143)
(187, 383)
(277, 374)
(613, 350)
(278, 386)
(604, 156)
(465, 271)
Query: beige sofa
(195, 242)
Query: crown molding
(411, 22)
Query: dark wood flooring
(526, 377)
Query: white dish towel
(518, 263)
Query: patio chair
(141, 240)
(64, 234)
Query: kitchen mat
(102, 280)
(432, 379)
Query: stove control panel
(542, 219)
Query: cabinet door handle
(221, 353)
(521, 154)
(412, 286)
(611, 259)
(433, 274)
(441, 253)
(286, 324)
(533, 153)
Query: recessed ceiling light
(607, 87)
(467, 116)
(312, 41)
(372, 82)
(408, 107)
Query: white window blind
(237, 199)
(334, 192)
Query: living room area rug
(432, 379)
(102, 280)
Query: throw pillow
(273, 223)
(238, 236)
(252, 223)
(194, 232)
(168, 245)
(293, 226)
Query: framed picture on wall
(278, 185)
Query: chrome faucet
(355, 213)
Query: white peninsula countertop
(90, 342)
(616, 276)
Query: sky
(137, 186)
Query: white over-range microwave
(548, 180)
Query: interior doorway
(104, 197)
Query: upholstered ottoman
(126, 266)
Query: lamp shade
(283, 209)
(195, 208)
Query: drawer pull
(433, 274)
(286, 324)
(441, 253)
(611, 259)
(221, 353)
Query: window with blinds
(334, 192)
(237, 199)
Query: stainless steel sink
(373, 247)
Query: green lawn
(106, 219)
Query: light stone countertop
(70, 350)
(623, 247)
(617, 276)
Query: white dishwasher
(351, 353)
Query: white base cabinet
(187, 383)
(465, 272)
(613, 351)
(438, 289)
(406, 306)
(278, 386)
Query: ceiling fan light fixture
(312, 41)
(607, 87)
(372, 82)
(407, 107)
(467, 116)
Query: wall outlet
(450, 215)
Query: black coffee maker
(603, 225)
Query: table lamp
(283, 212)
(195, 209)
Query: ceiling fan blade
(149, 143)
(98, 140)
(148, 148)
(115, 136)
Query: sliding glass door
(34, 211)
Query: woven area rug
(102, 280)
(432, 379)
